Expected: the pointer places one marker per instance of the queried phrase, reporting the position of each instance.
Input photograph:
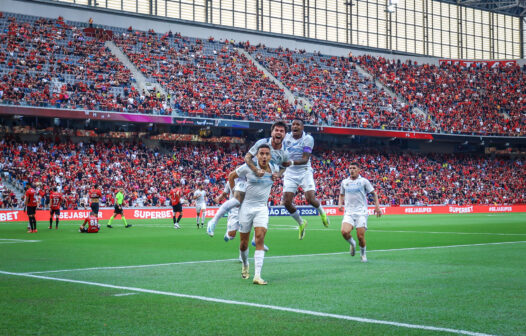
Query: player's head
(263, 155)
(354, 169)
(277, 131)
(96, 186)
(121, 190)
(177, 184)
(297, 127)
(55, 189)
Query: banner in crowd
(467, 64)
(165, 213)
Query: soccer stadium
(263, 167)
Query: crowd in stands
(339, 94)
(51, 63)
(147, 175)
(481, 99)
(205, 77)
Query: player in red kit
(31, 207)
(71, 201)
(175, 198)
(55, 201)
(94, 197)
(92, 223)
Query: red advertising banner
(467, 64)
(165, 213)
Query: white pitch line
(20, 240)
(266, 257)
(124, 294)
(459, 233)
(256, 305)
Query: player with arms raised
(177, 207)
(55, 201)
(254, 210)
(354, 190)
(200, 204)
(299, 145)
(279, 157)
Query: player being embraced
(177, 206)
(91, 224)
(200, 204)
(55, 201)
(299, 174)
(119, 211)
(354, 190)
(279, 157)
(254, 210)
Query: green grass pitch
(67, 283)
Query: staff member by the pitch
(119, 199)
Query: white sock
(259, 255)
(244, 256)
(203, 217)
(362, 251)
(297, 217)
(320, 210)
(224, 208)
(351, 241)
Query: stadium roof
(509, 7)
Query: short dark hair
(54, 188)
(263, 146)
(279, 123)
(299, 119)
(354, 163)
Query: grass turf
(478, 288)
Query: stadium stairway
(416, 110)
(141, 82)
(305, 103)
(14, 187)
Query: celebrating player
(279, 157)
(200, 204)
(31, 208)
(55, 201)
(92, 222)
(355, 189)
(94, 197)
(299, 145)
(175, 198)
(254, 210)
(119, 199)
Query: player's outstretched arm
(232, 179)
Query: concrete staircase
(416, 110)
(291, 98)
(141, 82)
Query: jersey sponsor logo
(468, 209)
(418, 210)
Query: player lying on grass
(354, 190)
(254, 210)
(91, 224)
(279, 157)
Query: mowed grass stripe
(256, 305)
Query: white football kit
(233, 215)
(254, 209)
(298, 175)
(355, 192)
(200, 204)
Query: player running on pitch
(200, 204)
(354, 190)
(254, 210)
(299, 145)
(279, 157)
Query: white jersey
(355, 192)
(295, 149)
(258, 188)
(200, 196)
(277, 156)
(229, 191)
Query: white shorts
(292, 182)
(357, 221)
(232, 223)
(252, 217)
(200, 207)
(241, 186)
